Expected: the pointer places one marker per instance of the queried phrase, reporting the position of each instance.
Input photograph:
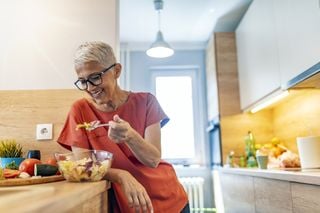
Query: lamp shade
(160, 48)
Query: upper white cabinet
(298, 32)
(257, 53)
(38, 39)
(276, 41)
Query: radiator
(194, 189)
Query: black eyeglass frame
(88, 79)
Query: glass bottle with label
(250, 150)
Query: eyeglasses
(94, 79)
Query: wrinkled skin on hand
(136, 194)
(119, 130)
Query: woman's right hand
(136, 194)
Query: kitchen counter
(308, 177)
(256, 190)
(60, 196)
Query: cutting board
(30, 181)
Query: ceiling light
(159, 48)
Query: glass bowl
(91, 165)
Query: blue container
(5, 161)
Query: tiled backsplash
(22, 110)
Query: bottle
(242, 161)
(250, 150)
(230, 159)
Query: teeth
(96, 93)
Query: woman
(141, 181)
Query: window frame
(198, 108)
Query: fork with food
(91, 126)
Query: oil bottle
(250, 150)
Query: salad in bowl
(91, 165)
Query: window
(176, 91)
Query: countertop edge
(307, 177)
(60, 196)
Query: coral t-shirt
(140, 110)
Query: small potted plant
(10, 154)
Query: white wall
(38, 39)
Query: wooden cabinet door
(257, 53)
(222, 76)
(238, 193)
(272, 195)
(298, 36)
(305, 198)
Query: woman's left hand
(146, 150)
(119, 130)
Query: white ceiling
(182, 21)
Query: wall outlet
(44, 131)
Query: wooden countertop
(309, 177)
(50, 197)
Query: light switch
(44, 131)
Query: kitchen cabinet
(272, 195)
(256, 190)
(257, 53)
(38, 40)
(298, 36)
(211, 77)
(222, 76)
(238, 193)
(305, 198)
(276, 41)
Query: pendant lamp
(159, 48)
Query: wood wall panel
(227, 73)
(298, 115)
(235, 128)
(22, 110)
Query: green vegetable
(12, 165)
(45, 170)
(10, 149)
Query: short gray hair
(94, 51)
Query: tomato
(28, 165)
(51, 161)
(11, 173)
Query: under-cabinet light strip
(269, 102)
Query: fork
(94, 126)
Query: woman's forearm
(144, 151)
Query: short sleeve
(154, 112)
(69, 136)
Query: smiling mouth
(96, 94)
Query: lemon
(275, 141)
(257, 146)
